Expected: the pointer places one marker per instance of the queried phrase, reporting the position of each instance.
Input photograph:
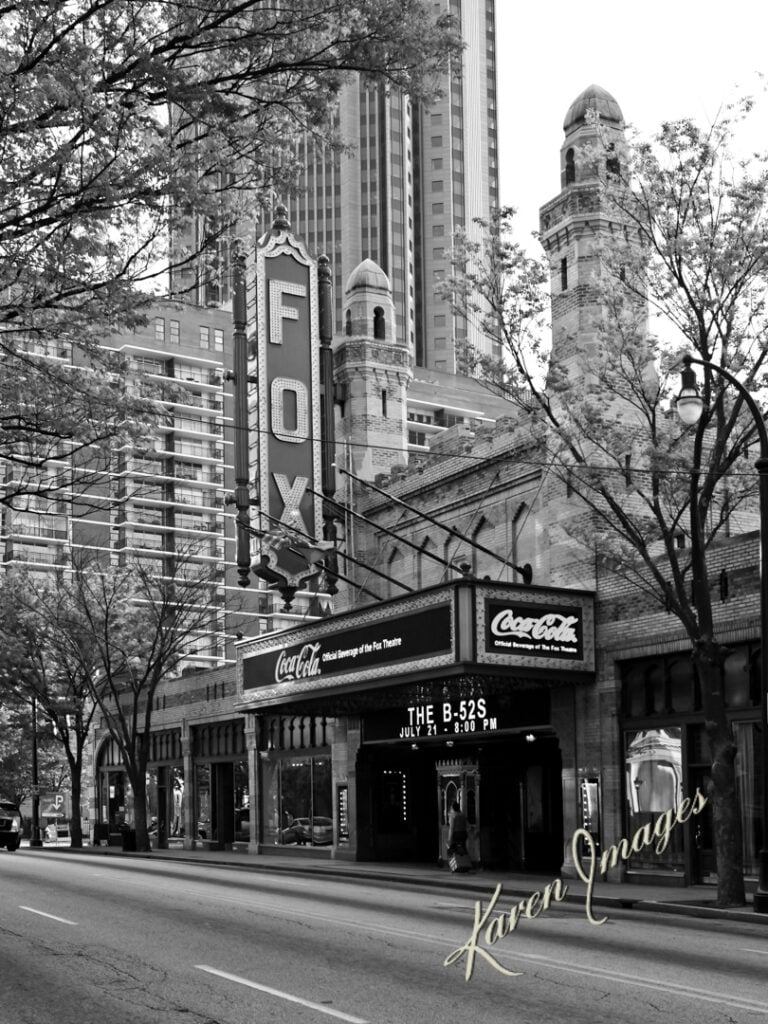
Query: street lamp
(34, 839)
(690, 407)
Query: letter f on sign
(277, 311)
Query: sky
(660, 61)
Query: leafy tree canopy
(122, 123)
(673, 258)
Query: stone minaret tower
(571, 225)
(372, 369)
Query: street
(91, 939)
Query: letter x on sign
(292, 495)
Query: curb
(447, 883)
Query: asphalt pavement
(692, 901)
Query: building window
(218, 340)
(437, 208)
(379, 324)
(160, 330)
(297, 808)
(175, 332)
(437, 186)
(612, 165)
(564, 274)
(384, 403)
(570, 168)
(205, 337)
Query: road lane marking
(281, 995)
(669, 987)
(762, 952)
(52, 917)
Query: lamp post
(34, 839)
(690, 407)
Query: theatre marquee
(457, 628)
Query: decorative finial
(281, 222)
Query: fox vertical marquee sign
(289, 450)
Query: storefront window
(270, 778)
(297, 807)
(242, 803)
(654, 773)
(203, 801)
(749, 786)
(737, 679)
(176, 819)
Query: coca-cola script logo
(304, 664)
(551, 627)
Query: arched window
(570, 168)
(379, 324)
(523, 539)
(483, 535)
(612, 165)
(348, 324)
(395, 571)
(426, 567)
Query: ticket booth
(458, 781)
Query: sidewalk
(691, 901)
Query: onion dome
(368, 275)
(593, 98)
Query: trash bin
(129, 840)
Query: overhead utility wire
(525, 570)
(336, 573)
(383, 529)
(363, 565)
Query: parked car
(10, 825)
(299, 832)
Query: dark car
(10, 825)
(299, 832)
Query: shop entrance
(510, 789)
(458, 782)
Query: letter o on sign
(297, 429)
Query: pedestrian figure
(457, 829)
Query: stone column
(565, 724)
(344, 748)
(188, 803)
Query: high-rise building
(414, 175)
(170, 496)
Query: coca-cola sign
(302, 664)
(542, 630)
(402, 641)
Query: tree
(127, 628)
(685, 234)
(134, 137)
(46, 662)
(16, 752)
